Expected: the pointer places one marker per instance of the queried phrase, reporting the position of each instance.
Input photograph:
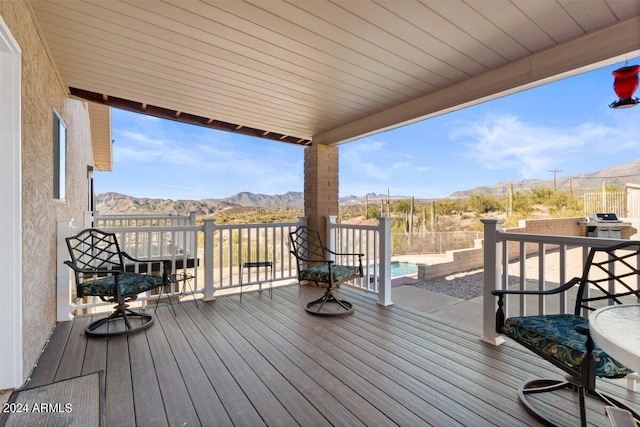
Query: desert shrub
(540, 195)
(562, 204)
(400, 206)
(484, 203)
(450, 206)
(522, 204)
(374, 212)
(397, 225)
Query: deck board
(49, 360)
(179, 407)
(265, 361)
(119, 400)
(256, 351)
(147, 397)
(408, 365)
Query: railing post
(492, 279)
(208, 229)
(384, 281)
(331, 234)
(63, 272)
(88, 219)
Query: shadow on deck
(265, 361)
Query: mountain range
(119, 203)
(616, 176)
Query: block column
(320, 185)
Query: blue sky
(566, 125)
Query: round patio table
(616, 330)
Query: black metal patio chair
(314, 264)
(100, 271)
(610, 276)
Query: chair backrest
(95, 253)
(611, 276)
(306, 245)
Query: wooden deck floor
(265, 361)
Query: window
(59, 157)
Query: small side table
(176, 279)
(185, 278)
(267, 265)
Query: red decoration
(625, 84)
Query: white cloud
(505, 141)
(359, 156)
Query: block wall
(321, 185)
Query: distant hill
(120, 203)
(615, 175)
(245, 198)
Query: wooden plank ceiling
(324, 71)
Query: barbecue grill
(606, 225)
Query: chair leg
(545, 385)
(121, 312)
(583, 407)
(540, 386)
(343, 307)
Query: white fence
(217, 257)
(606, 202)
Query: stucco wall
(41, 93)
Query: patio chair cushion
(130, 284)
(320, 273)
(555, 336)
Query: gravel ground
(465, 285)
(468, 284)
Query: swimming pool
(399, 269)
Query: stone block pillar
(320, 185)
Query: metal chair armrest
(571, 283)
(342, 254)
(500, 293)
(142, 261)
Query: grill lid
(607, 217)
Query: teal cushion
(130, 284)
(320, 273)
(555, 336)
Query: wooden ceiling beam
(180, 116)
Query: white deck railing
(374, 242)
(99, 220)
(508, 258)
(229, 247)
(214, 255)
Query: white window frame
(59, 157)
(11, 374)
